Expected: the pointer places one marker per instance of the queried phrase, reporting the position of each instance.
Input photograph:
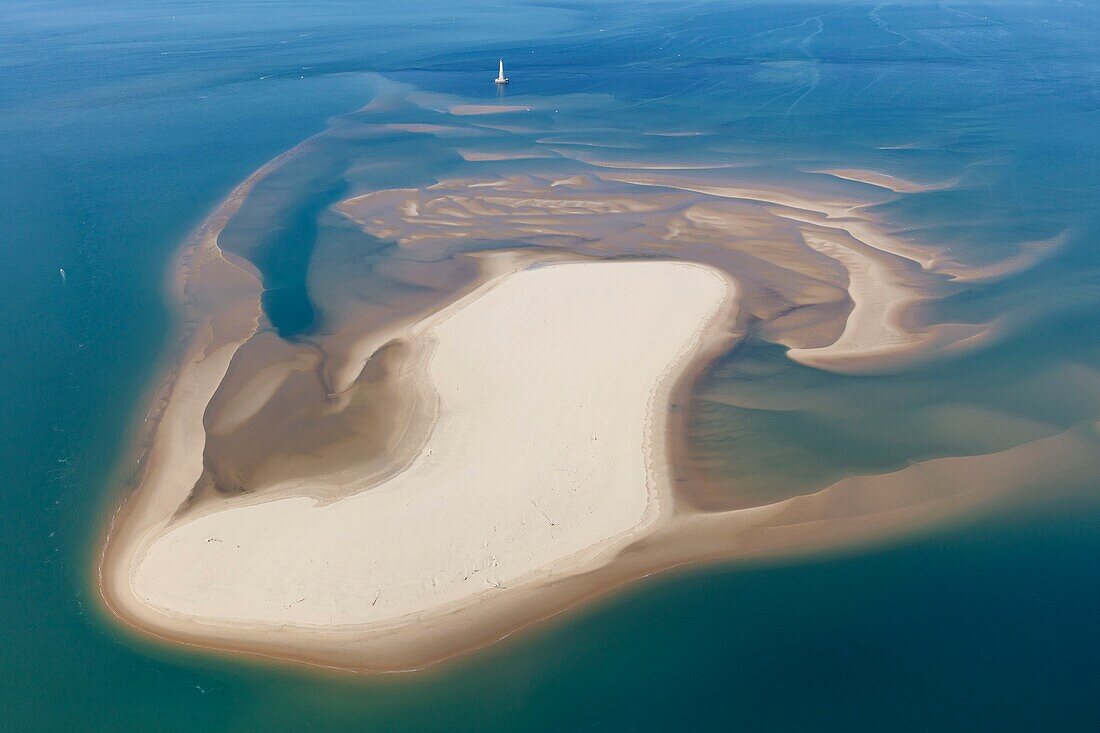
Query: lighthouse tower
(501, 78)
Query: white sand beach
(552, 378)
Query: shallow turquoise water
(121, 128)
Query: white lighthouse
(501, 78)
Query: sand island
(563, 370)
(502, 433)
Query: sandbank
(499, 443)
(463, 110)
(883, 180)
(546, 458)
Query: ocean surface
(123, 125)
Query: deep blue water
(122, 126)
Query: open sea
(123, 124)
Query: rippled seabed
(996, 101)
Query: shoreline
(185, 315)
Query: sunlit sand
(545, 457)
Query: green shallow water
(122, 127)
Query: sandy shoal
(880, 295)
(875, 338)
(544, 481)
(553, 464)
(546, 457)
(883, 180)
(476, 156)
(463, 110)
